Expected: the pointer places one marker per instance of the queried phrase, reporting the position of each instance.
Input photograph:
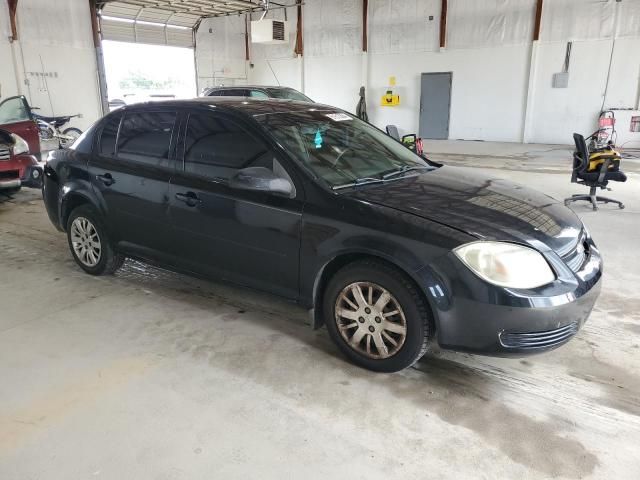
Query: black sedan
(389, 250)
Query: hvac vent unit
(270, 32)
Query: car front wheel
(89, 243)
(376, 316)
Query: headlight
(506, 264)
(20, 145)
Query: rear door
(250, 238)
(15, 117)
(131, 169)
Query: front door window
(14, 110)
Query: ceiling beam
(198, 11)
(202, 8)
(174, 7)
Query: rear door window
(109, 135)
(146, 137)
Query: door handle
(190, 198)
(107, 179)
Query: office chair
(594, 172)
(408, 140)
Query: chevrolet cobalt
(389, 250)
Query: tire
(86, 218)
(413, 315)
(75, 132)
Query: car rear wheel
(89, 243)
(376, 316)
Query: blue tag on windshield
(318, 139)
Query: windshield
(288, 93)
(341, 149)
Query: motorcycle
(49, 128)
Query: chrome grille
(533, 340)
(5, 153)
(9, 175)
(576, 257)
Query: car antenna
(274, 73)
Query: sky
(156, 62)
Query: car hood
(486, 207)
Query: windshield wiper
(359, 181)
(405, 169)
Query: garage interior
(153, 374)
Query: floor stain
(63, 400)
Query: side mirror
(261, 179)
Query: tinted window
(258, 94)
(238, 92)
(216, 148)
(109, 134)
(216, 93)
(146, 136)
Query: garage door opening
(139, 73)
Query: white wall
(488, 51)
(483, 106)
(498, 93)
(220, 52)
(55, 59)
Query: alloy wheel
(370, 320)
(86, 241)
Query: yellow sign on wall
(389, 99)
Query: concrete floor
(153, 375)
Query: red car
(19, 146)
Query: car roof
(230, 87)
(247, 105)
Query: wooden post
(95, 29)
(443, 24)
(246, 36)
(365, 25)
(13, 7)
(299, 48)
(536, 27)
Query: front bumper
(474, 316)
(21, 171)
(32, 177)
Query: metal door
(435, 103)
